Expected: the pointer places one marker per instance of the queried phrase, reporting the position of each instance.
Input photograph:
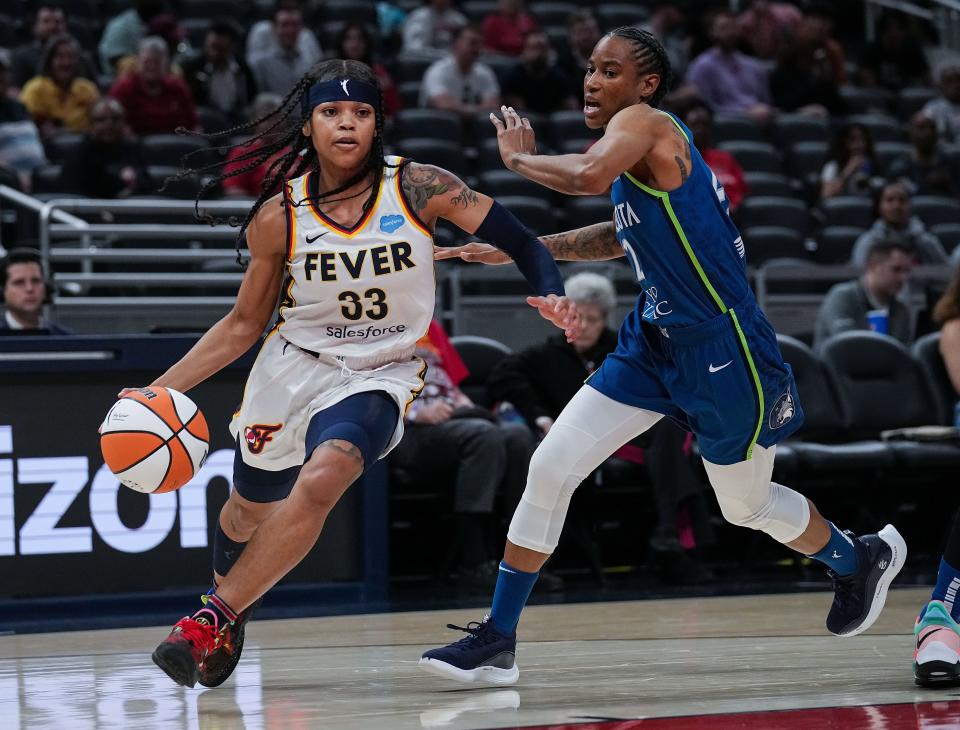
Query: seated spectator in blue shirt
(24, 295)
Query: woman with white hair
(540, 380)
(156, 101)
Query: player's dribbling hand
(561, 311)
(515, 136)
(480, 253)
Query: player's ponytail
(650, 57)
(285, 134)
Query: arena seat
(59, 147)
(497, 183)
(535, 213)
(477, 10)
(913, 98)
(409, 92)
(792, 128)
(213, 120)
(821, 444)
(184, 188)
(770, 242)
(170, 149)
(927, 352)
(934, 209)
(587, 210)
(948, 233)
(552, 13)
(347, 11)
(442, 153)
(848, 210)
(764, 210)
(614, 15)
(770, 183)
(45, 179)
(411, 67)
(806, 159)
(835, 244)
(883, 127)
(736, 128)
(754, 156)
(480, 355)
(866, 100)
(566, 125)
(436, 124)
(887, 152)
(207, 9)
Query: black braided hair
(650, 57)
(283, 133)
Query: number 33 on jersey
(365, 290)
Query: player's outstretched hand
(561, 311)
(481, 253)
(515, 136)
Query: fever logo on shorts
(782, 411)
(258, 434)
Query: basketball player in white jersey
(346, 247)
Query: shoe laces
(845, 588)
(479, 633)
(201, 636)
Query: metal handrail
(92, 253)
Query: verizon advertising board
(68, 527)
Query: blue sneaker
(859, 597)
(484, 656)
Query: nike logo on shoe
(715, 369)
(311, 239)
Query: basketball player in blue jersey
(696, 348)
(347, 249)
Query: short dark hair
(280, 5)
(694, 105)
(19, 256)
(471, 27)
(45, 5)
(885, 246)
(878, 194)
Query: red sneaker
(182, 653)
(220, 662)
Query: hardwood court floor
(599, 666)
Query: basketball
(154, 440)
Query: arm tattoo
(593, 243)
(422, 182)
(683, 168)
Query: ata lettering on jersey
(623, 216)
(380, 260)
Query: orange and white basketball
(154, 439)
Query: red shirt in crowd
(503, 35)
(729, 173)
(249, 183)
(156, 114)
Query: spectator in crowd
(218, 77)
(58, 98)
(155, 101)
(927, 167)
(20, 148)
(281, 64)
(667, 22)
(851, 167)
(122, 34)
(273, 37)
(355, 43)
(106, 164)
(48, 20)
(946, 313)
(458, 82)
(250, 183)
(728, 80)
(816, 36)
(763, 25)
(430, 30)
(699, 118)
(25, 294)
(945, 109)
(803, 79)
(892, 206)
(540, 380)
(871, 302)
(582, 35)
(895, 59)
(504, 30)
(534, 84)
(448, 434)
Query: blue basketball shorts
(367, 420)
(723, 379)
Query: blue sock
(948, 583)
(510, 596)
(838, 554)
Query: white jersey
(365, 292)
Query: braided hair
(285, 134)
(650, 57)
